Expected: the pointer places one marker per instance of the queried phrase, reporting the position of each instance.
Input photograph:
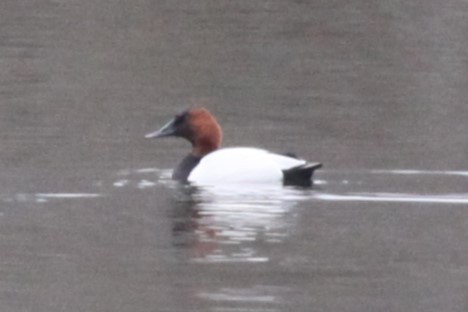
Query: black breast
(183, 170)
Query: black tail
(300, 175)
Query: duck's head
(197, 126)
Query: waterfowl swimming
(207, 163)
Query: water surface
(90, 221)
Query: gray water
(90, 221)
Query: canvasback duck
(208, 164)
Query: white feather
(242, 165)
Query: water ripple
(395, 197)
(45, 197)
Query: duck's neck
(186, 166)
(204, 145)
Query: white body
(242, 165)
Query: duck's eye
(178, 119)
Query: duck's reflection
(233, 224)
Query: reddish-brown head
(196, 125)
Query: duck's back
(242, 165)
